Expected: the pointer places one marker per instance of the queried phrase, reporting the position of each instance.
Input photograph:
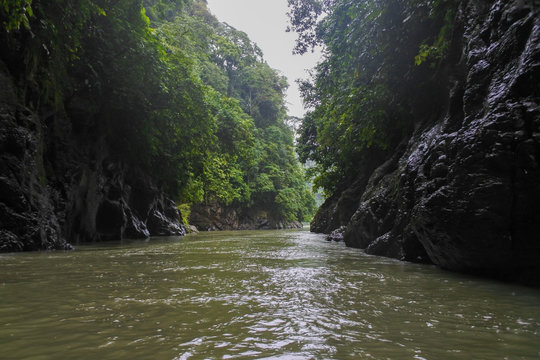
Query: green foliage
(185, 211)
(45, 48)
(438, 48)
(159, 11)
(360, 92)
(15, 13)
(250, 162)
(169, 88)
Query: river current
(254, 295)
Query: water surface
(254, 295)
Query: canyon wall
(463, 192)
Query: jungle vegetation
(185, 97)
(376, 79)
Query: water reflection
(254, 295)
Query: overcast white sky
(265, 22)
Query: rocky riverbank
(60, 186)
(217, 217)
(463, 192)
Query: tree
(170, 90)
(359, 93)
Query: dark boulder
(163, 221)
(115, 202)
(135, 228)
(337, 234)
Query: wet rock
(60, 182)
(336, 235)
(27, 218)
(159, 223)
(135, 228)
(464, 193)
(337, 210)
(211, 217)
(468, 222)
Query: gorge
(460, 186)
(424, 128)
(113, 116)
(132, 130)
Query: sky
(265, 22)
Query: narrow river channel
(254, 295)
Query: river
(254, 295)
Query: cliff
(463, 191)
(60, 185)
(218, 217)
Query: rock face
(464, 191)
(27, 218)
(57, 187)
(338, 209)
(215, 217)
(115, 202)
(337, 234)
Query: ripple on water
(264, 295)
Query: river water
(254, 295)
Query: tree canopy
(170, 88)
(376, 54)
